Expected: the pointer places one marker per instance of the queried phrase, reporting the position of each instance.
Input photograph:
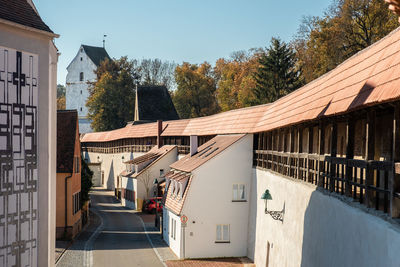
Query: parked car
(150, 205)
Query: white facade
(318, 229)
(77, 88)
(33, 106)
(111, 165)
(151, 172)
(209, 202)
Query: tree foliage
(112, 96)
(277, 74)
(348, 27)
(60, 96)
(195, 93)
(86, 182)
(235, 79)
(155, 72)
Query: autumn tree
(60, 96)
(155, 72)
(235, 79)
(112, 95)
(195, 93)
(277, 74)
(348, 27)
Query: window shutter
(241, 192)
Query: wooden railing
(129, 148)
(368, 182)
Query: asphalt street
(119, 239)
(122, 240)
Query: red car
(150, 205)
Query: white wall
(111, 164)
(318, 229)
(129, 184)
(174, 244)
(154, 172)
(209, 202)
(40, 248)
(76, 90)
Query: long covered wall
(329, 153)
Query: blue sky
(174, 30)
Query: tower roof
(155, 103)
(96, 54)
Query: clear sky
(174, 30)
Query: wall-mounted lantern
(276, 215)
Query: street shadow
(127, 233)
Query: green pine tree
(277, 74)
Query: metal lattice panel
(18, 158)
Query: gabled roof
(66, 138)
(206, 152)
(96, 54)
(153, 155)
(155, 103)
(21, 12)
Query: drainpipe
(66, 204)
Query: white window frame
(220, 238)
(238, 197)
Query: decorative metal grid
(18, 158)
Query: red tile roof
(66, 138)
(368, 78)
(173, 202)
(206, 152)
(154, 154)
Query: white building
(210, 188)
(137, 180)
(28, 76)
(80, 72)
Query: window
(76, 202)
(81, 109)
(81, 76)
(222, 233)
(173, 229)
(76, 165)
(81, 91)
(238, 193)
(81, 58)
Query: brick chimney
(159, 131)
(193, 145)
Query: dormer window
(81, 76)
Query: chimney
(159, 131)
(193, 145)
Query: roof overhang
(30, 29)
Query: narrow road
(122, 240)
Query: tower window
(81, 76)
